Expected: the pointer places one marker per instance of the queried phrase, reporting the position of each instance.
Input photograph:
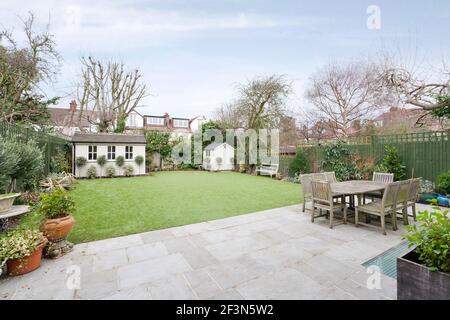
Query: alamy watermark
(374, 19)
(248, 146)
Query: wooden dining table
(356, 188)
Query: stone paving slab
(273, 254)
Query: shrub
(128, 170)
(432, 238)
(91, 172)
(207, 160)
(80, 161)
(19, 243)
(55, 205)
(341, 160)
(120, 160)
(392, 163)
(219, 160)
(299, 164)
(443, 182)
(60, 162)
(21, 165)
(110, 171)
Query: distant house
(92, 145)
(176, 126)
(218, 157)
(67, 121)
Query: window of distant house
(92, 153)
(128, 152)
(132, 120)
(156, 121)
(180, 123)
(111, 152)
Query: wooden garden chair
(382, 208)
(412, 196)
(305, 181)
(322, 199)
(401, 202)
(330, 176)
(379, 177)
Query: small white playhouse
(218, 157)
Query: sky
(192, 53)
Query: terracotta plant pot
(57, 229)
(21, 266)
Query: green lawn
(108, 208)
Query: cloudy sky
(193, 52)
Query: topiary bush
(110, 171)
(120, 160)
(443, 182)
(80, 161)
(91, 172)
(392, 163)
(299, 164)
(101, 161)
(128, 170)
(139, 160)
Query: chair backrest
(305, 181)
(321, 191)
(390, 194)
(403, 191)
(383, 177)
(414, 189)
(330, 176)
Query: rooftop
(108, 138)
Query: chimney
(73, 105)
(167, 120)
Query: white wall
(226, 152)
(81, 150)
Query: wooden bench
(268, 169)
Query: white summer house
(91, 146)
(218, 157)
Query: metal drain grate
(387, 261)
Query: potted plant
(7, 200)
(424, 272)
(21, 250)
(56, 208)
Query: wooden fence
(425, 154)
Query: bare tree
(22, 69)
(260, 104)
(415, 91)
(345, 93)
(108, 93)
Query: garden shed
(89, 147)
(218, 157)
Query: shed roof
(214, 145)
(108, 138)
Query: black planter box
(417, 282)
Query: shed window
(111, 152)
(92, 153)
(208, 153)
(128, 152)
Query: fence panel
(425, 154)
(49, 144)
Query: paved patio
(274, 254)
